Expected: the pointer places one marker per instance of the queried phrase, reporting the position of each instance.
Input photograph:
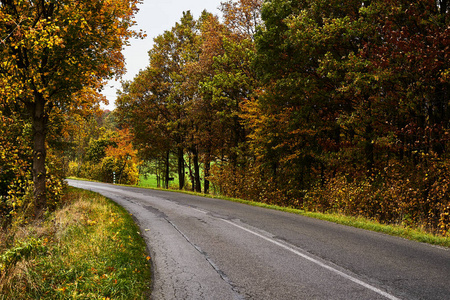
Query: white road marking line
(313, 260)
(199, 210)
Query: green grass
(151, 181)
(415, 234)
(90, 249)
(148, 181)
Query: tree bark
(167, 174)
(198, 185)
(39, 122)
(181, 177)
(206, 181)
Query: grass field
(150, 181)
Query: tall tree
(296, 101)
(51, 49)
(226, 82)
(159, 93)
(140, 106)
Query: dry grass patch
(89, 249)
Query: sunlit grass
(415, 234)
(150, 181)
(91, 250)
(407, 232)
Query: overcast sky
(154, 17)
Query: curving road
(206, 248)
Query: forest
(322, 105)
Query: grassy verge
(414, 234)
(89, 249)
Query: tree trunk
(39, 122)
(190, 174)
(181, 176)
(121, 171)
(443, 4)
(198, 185)
(167, 171)
(206, 181)
(158, 172)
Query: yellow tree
(125, 156)
(52, 49)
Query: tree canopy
(54, 53)
(321, 105)
(324, 105)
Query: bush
(417, 196)
(17, 206)
(126, 172)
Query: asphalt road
(205, 248)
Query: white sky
(154, 17)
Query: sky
(154, 17)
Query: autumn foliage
(54, 58)
(100, 151)
(328, 106)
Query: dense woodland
(324, 105)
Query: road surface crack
(234, 287)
